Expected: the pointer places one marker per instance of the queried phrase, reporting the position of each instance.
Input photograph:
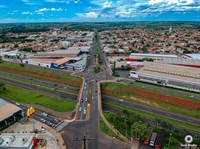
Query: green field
(41, 73)
(119, 90)
(27, 96)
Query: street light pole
(169, 140)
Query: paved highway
(40, 89)
(79, 128)
(153, 110)
(57, 85)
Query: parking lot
(116, 58)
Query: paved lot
(115, 58)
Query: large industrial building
(8, 113)
(74, 58)
(168, 70)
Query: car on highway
(191, 96)
(43, 113)
(84, 111)
(42, 120)
(86, 99)
(85, 87)
(81, 100)
(17, 103)
(80, 109)
(121, 100)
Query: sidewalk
(54, 139)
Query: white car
(86, 99)
(191, 96)
(84, 111)
(43, 120)
(43, 113)
(84, 87)
(80, 109)
(121, 100)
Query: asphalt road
(76, 130)
(153, 110)
(40, 89)
(67, 87)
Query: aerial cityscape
(97, 74)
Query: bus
(146, 141)
(153, 139)
(159, 140)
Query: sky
(20, 11)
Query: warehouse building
(9, 113)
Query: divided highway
(152, 110)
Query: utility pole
(83, 139)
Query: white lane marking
(189, 120)
(168, 114)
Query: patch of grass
(105, 129)
(181, 124)
(27, 96)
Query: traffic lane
(163, 89)
(67, 87)
(40, 89)
(152, 110)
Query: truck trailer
(159, 140)
(153, 139)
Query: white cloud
(59, 1)
(152, 2)
(59, 9)
(76, 1)
(15, 10)
(11, 13)
(43, 10)
(88, 15)
(28, 2)
(107, 4)
(26, 12)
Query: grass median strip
(39, 84)
(41, 73)
(181, 124)
(26, 96)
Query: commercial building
(17, 140)
(9, 113)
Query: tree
(126, 112)
(2, 87)
(139, 130)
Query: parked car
(43, 113)
(17, 103)
(43, 120)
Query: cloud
(88, 15)
(11, 13)
(76, 1)
(60, 1)
(43, 10)
(107, 4)
(28, 2)
(15, 10)
(26, 12)
(59, 9)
